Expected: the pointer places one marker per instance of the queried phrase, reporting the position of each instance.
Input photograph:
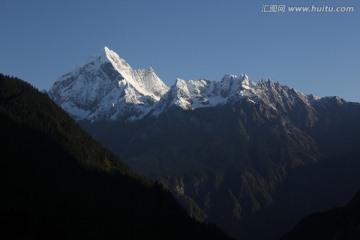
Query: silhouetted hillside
(342, 223)
(58, 183)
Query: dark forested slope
(342, 223)
(58, 183)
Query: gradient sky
(315, 53)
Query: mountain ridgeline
(253, 158)
(56, 182)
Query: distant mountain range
(107, 88)
(253, 158)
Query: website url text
(306, 9)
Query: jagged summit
(106, 87)
(106, 55)
(193, 94)
(236, 84)
(117, 62)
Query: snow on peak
(118, 63)
(193, 94)
(148, 80)
(106, 87)
(234, 85)
(143, 80)
(246, 83)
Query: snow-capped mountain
(200, 93)
(106, 87)
(193, 94)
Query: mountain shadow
(56, 182)
(253, 170)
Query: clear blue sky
(315, 53)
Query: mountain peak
(118, 63)
(106, 87)
(246, 81)
(180, 82)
